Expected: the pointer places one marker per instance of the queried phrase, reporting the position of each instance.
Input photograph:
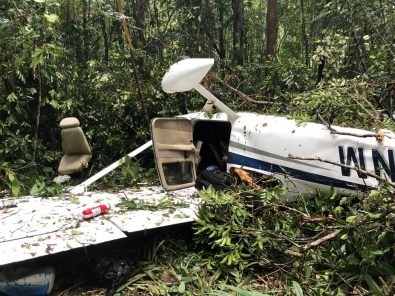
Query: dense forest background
(102, 62)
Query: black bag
(111, 273)
(213, 176)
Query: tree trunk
(321, 65)
(271, 28)
(135, 74)
(320, 70)
(221, 9)
(208, 24)
(139, 17)
(305, 40)
(85, 30)
(106, 43)
(37, 118)
(157, 29)
(238, 34)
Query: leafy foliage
(321, 242)
(342, 102)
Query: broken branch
(333, 131)
(313, 244)
(355, 168)
(320, 241)
(245, 97)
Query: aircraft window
(178, 172)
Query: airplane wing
(32, 227)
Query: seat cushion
(73, 163)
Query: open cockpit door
(175, 153)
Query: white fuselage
(276, 146)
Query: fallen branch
(333, 131)
(303, 249)
(355, 168)
(245, 97)
(319, 241)
(307, 219)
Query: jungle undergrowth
(249, 242)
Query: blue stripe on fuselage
(294, 173)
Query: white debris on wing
(39, 227)
(31, 227)
(158, 208)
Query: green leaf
(374, 193)
(351, 219)
(373, 285)
(386, 268)
(12, 97)
(344, 236)
(11, 176)
(15, 187)
(37, 187)
(76, 232)
(381, 236)
(379, 252)
(74, 200)
(37, 58)
(343, 201)
(338, 210)
(374, 216)
(181, 287)
(297, 289)
(308, 271)
(239, 291)
(51, 17)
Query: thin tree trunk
(321, 65)
(238, 34)
(85, 30)
(320, 70)
(135, 74)
(139, 17)
(38, 115)
(383, 17)
(157, 28)
(106, 43)
(156, 17)
(271, 28)
(304, 34)
(221, 45)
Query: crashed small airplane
(302, 157)
(275, 150)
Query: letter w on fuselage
(350, 156)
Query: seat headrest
(69, 122)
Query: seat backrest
(73, 138)
(76, 149)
